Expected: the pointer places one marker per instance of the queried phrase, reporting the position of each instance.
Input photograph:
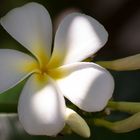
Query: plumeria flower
(53, 74)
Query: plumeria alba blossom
(53, 74)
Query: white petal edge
(41, 107)
(31, 26)
(15, 66)
(78, 37)
(87, 85)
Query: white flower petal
(78, 37)
(87, 85)
(31, 26)
(14, 67)
(41, 107)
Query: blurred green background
(121, 18)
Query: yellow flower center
(55, 73)
(42, 67)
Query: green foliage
(9, 99)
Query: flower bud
(123, 126)
(77, 123)
(124, 64)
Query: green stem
(130, 107)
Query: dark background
(121, 18)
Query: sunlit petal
(31, 26)
(41, 107)
(87, 85)
(14, 67)
(78, 37)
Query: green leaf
(9, 99)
